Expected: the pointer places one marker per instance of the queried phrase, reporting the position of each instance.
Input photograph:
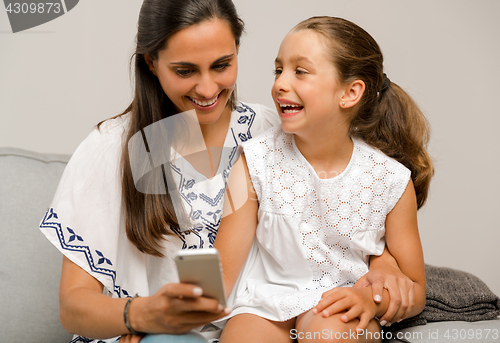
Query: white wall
(60, 79)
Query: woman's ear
(150, 63)
(353, 93)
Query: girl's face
(306, 91)
(198, 68)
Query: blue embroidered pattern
(215, 201)
(208, 219)
(51, 221)
(248, 120)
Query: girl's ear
(353, 93)
(150, 63)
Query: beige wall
(60, 79)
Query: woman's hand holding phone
(175, 308)
(197, 300)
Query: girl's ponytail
(397, 127)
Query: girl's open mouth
(290, 109)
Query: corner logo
(25, 14)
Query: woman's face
(198, 68)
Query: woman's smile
(203, 104)
(200, 75)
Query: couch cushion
(30, 266)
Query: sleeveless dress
(313, 234)
(86, 218)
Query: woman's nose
(207, 87)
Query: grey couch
(30, 266)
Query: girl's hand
(357, 302)
(401, 290)
(175, 308)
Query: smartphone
(202, 267)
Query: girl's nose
(281, 84)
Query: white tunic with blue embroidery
(86, 218)
(313, 234)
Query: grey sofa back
(30, 267)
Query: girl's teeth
(289, 108)
(283, 105)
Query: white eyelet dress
(313, 234)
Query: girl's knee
(316, 328)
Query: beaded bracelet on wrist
(125, 316)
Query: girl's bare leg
(251, 328)
(315, 328)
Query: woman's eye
(221, 67)
(184, 72)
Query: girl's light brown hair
(387, 118)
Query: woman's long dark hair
(149, 217)
(387, 117)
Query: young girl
(345, 173)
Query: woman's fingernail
(377, 298)
(220, 308)
(383, 323)
(227, 310)
(400, 320)
(197, 291)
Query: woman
(118, 241)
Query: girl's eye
(222, 66)
(300, 72)
(277, 72)
(184, 72)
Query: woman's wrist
(126, 316)
(135, 317)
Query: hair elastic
(385, 84)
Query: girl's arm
(239, 223)
(384, 273)
(84, 310)
(403, 242)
